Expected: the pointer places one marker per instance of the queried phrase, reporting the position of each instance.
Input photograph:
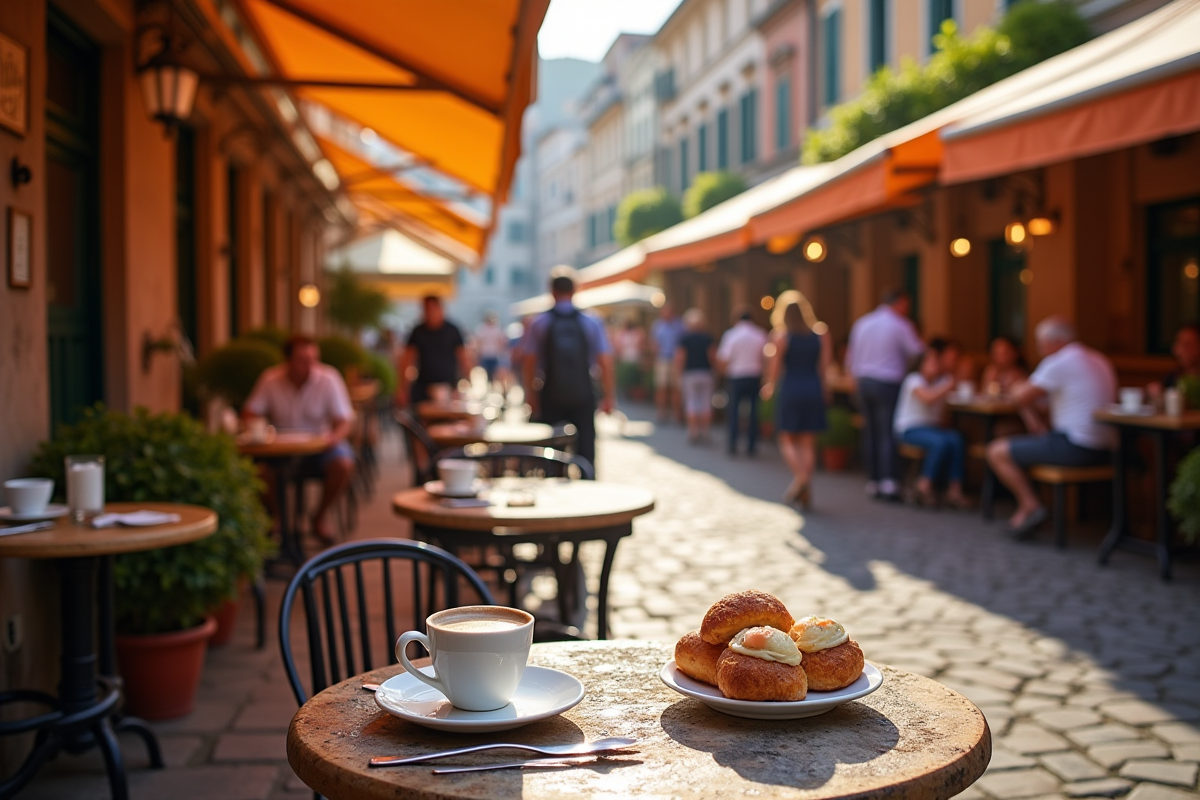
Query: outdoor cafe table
(430, 411)
(989, 409)
(572, 511)
(1157, 427)
(80, 716)
(282, 452)
(466, 432)
(912, 738)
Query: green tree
(893, 98)
(710, 189)
(644, 213)
(352, 304)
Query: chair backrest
(563, 438)
(419, 446)
(357, 598)
(521, 460)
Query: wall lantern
(1043, 225)
(815, 249)
(309, 296)
(1016, 234)
(767, 302)
(960, 247)
(168, 85)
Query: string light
(960, 247)
(815, 249)
(1015, 233)
(767, 302)
(310, 296)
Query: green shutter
(878, 11)
(702, 148)
(833, 56)
(683, 164)
(783, 113)
(939, 12)
(723, 139)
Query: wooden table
(282, 452)
(989, 409)
(913, 738)
(89, 692)
(565, 511)
(1157, 427)
(432, 411)
(465, 432)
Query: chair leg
(259, 590)
(1060, 515)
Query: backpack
(568, 378)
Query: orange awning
(446, 82)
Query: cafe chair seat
(1059, 479)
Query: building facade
(561, 155)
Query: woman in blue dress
(795, 378)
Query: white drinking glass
(85, 486)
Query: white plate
(543, 693)
(812, 705)
(51, 511)
(1141, 411)
(438, 489)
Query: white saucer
(438, 489)
(543, 693)
(51, 511)
(1145, 410)
(812, 705)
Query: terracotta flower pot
(161, 671)
(835, 458)
(226, 616)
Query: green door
(73, 284)
(1009, 279)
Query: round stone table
(913, 738)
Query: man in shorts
(1076, 381)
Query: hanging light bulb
(309, 296)
(1041, 226)
(815, 249)
(960, 247)
(1015, 233)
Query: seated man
(302, 394)
(1077, 381)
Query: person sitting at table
(918, 422)
(436, 350)
(1186, 349)
(1005, 369)
(1077, 381)
(302, 394)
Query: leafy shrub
(841, 431)
(230, 371)
(269, 333)
(893, 98)
(1189, 387)
(645, 213)
(343, 354)
(170, 458)
(353, 304)
(711, 189)
(381, 368)
(1184, 497)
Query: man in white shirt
(740, 359)
(1077, 381)
(302, 394)
(883, 345)
(491, 345)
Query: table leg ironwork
(1119, 535)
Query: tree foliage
(645, 213)
(710, 189)
(1184, 499)
(352, 304)
(1031, 32)
(230, 371)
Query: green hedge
(711, 189)
(644, 213)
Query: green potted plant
(164, 598)
(230, 371)
(1184, 497)
(344, 354)
(379, 367)
(837, 441)
(269, 333)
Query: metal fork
(579, 749)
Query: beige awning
(397, 265)
(622, 293)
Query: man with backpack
(561, 349)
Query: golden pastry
(762, 663)
(697, 658)
(831, 659)
(736, 612)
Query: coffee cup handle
(402, 657)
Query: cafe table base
(85, 712)
(913, 738)
(1120, 536)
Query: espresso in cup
(478, 653)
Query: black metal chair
(416, 440)
(342, 606)
(524, 461)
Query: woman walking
(801, 357)
(694, 363)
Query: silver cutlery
(30, 528)
(582, 748)
(535, 762)
(370, 687)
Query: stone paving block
(1176, 773)
(205, 718)
(1153, 791)
(971, 793)
(1137, 712)
(205, 783)
(250, 747)
(1030, 704)
(1108, 732)
(1003, 759)
(986, 677)
(1101, 787)
(274, 715)
(979, 695)
(1018, 783)
(1048, 688)
(1021, 669)
(1066, 719)
(1117, 753)
(1072, 767)
(1186, 752)
(1177, 732)
(1030, 739)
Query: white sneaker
(888, 486)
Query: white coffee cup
(965, 390)
(478, 653)
(257, 429)
(29, 495)
(1173, 402)
(1132, 398)
(457, 474)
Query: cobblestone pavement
(1089, 677)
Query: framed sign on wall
(20, 248)
(14, 86)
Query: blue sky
(585, 28)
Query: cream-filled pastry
(813, 634)
(769, 644)
(831, 659)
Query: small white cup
(1173, 402)
(257, 429)
(965, 390)
(457, 474)
(478, 652)
(1132, 398)
(29, 495)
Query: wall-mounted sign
(20, 248)
(14, 86)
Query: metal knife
(30, 528)
(534, 762)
